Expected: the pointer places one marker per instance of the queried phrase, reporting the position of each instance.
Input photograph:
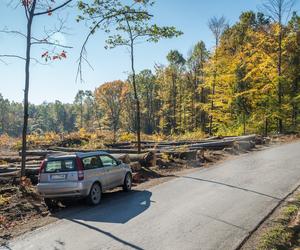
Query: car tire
(95, 195)
(127, 183)
(51, 203)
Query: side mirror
(119, 162)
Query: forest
(249, 83)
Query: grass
(289, 212)
(277, 237)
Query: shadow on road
(115, 207)
(108, 234)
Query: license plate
(58, 177)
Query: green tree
(132, 29)
(196, 64)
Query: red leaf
(45, 54)
(49, 11)
(63, 54)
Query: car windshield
(64, 165)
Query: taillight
(42, 166)
(80, 172)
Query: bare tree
(33, 9)
(279, 11)
(217, 27)
(134, 29)
(131, 25)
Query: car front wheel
(127, 183)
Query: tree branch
(19, 57)
(51, 43)
(92, 31)
(13, 56)
(15, 32)
(54, 9)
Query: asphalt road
(213, 208)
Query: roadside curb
(243, 242)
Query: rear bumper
(62, 190)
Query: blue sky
(57, 81)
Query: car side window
(108, 161)
(91, 162)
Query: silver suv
(83, 175)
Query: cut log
(122, 151)
(174, 143)
(135, 166)
(241, 138)
(245, 145)
(208, 145)
(212, 145)
(110, 151)
(40, 153)
(11, 171)
(18, 165)
(184, 155)
(123, 157)
(12, 159)
(117, 145)
(146, 160)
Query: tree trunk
(174, 124)
(81, 114)
(266, 127)
(26, 90)
(137, 101)
(244, 123)
(213, 89)
(295, 105)
(280, 93)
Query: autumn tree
(217, 27)
(147, 89)
(292, 48)
(111, 96)
(176, 64)
(279, 10)
(196, 63)
(4, 113)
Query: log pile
(187, 150)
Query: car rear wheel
(51, 203)
(127, 183)
(95, 194)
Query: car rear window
(65, 165)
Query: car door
(115, 172)
(94, 171)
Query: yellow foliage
(4, 200)
(196, 135)
(127, 137)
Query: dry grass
(283, 232)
